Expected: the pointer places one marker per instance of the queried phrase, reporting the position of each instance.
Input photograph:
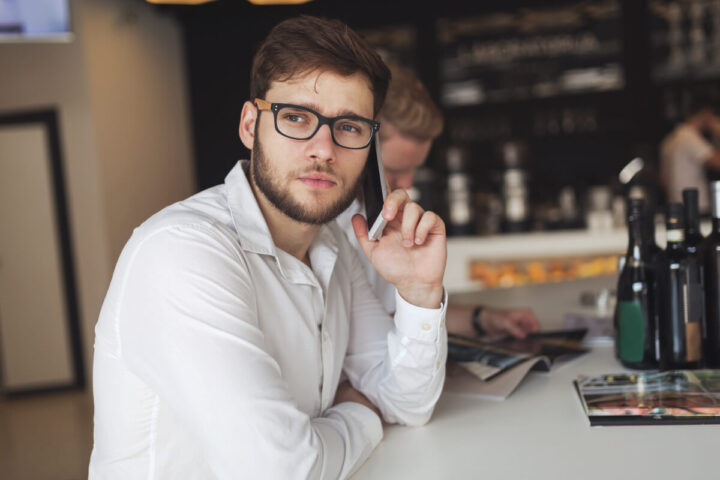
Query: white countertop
(541, 431)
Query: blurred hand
(346, 393)
(412, 252)
(516, 322)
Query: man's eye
(349, 128)
(294, 118)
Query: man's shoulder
(206, 211)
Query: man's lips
(318, 180)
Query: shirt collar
(345, 218)
(250, 224)
(254, 234)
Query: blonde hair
(409, 108)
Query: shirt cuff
(419, 323)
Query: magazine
(492, 367)
(656, 398)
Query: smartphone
(374, 191)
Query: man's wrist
(425, 297)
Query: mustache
(320, 168)
(317, 168)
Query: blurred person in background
(410, 122)
(686, 155)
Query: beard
(268, 182)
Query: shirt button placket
(317, 298)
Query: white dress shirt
(218, 355)
(384, 290)
(683, 154)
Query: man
(410, 122)
(685, 154)
(239, 337)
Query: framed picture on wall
(40, 341)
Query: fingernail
(418, 240)
(387, 213)
(407, 243)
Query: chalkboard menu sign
(531, 53)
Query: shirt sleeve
(399, 365)
(188, 328)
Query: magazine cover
(672, 397)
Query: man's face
(311, 181)
(401, 156)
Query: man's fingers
(515, 331)
(394, 203)
(411, 215)
(430, 223)
(511, 324)
(528, 320)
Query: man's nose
(321, 146)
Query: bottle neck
(636, 243)
(649, 231)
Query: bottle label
(693, 341)
(631, 331)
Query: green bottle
(636, 344)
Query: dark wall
(221, 38)
(220, 41)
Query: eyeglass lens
(301, 124)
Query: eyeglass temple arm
(263, 104)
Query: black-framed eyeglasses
(301, 123)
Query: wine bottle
(635, 311)
(649, 231)
(693, 237)
(710, 252)
(681, 299)
(459, 196)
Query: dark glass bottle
(682, 307)
(710, 252)
(649, 233)
(693, 237)
(635, 312)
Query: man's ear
(248, 117)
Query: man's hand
(412, 251)
(346, 393)
(516, 322)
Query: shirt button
(426, 326)
(325, 337)
(442, 323)
(437, 365)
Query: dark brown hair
(306, 44)
(409, 107)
